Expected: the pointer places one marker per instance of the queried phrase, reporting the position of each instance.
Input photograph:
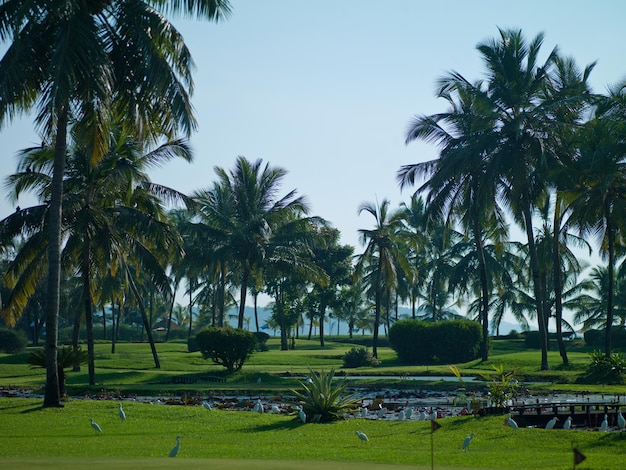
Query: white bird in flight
(467, 441)
(96, 426)
(176, 448)
(511, 422)
(362, 436)
(567, 425)
(551, 423)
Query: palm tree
(460, 183)
(380, 256)
(526, 104)
(598, 185)
(242, 211)
(83, 62)
(112, 216)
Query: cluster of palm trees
(110, 84)
(532, 142)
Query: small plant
(359, 357)
(324, 401)
(502, 386)
(261, 340)
(229, 347)
(66, 357)
(603, 369)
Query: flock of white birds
(401, 415)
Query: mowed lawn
(33, 437)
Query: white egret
(511, 422)
(258, 407)
(362, 436)
(621, 422)
(96, 426)
(422, 415)
(206, 405)
(302, 415)
(121, 413)
(605, 424)
(401, 415)
(567, 425)
(258, 380)
(467, 441)
(364, 412)
(381, 411)
(275, 409)
(176, 448)
(551, 423)
(408, 412)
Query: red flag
(434, 425)
(578, 457)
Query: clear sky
(326, 90)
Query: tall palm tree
(113, 216)
(598, 185)
(460, 184)
(75, 61)
(522, 97)
(380, 256)
(242, 211)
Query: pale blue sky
(327, 89)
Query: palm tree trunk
(242, 296)
(322, 315)
(52, 396)
(104, 323)
(484, 288)
(376, 311)
(88, 306)
(537, 287)
(113, 327)
(611, 274)
(256, 312)
(76, 336)
(558, 282)
(169, 315)
(144, 317)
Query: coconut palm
(379, 257)
(598, 186)
(113, 217)
(81, 62)
(242, 211)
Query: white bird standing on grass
(362, 436)
(409, 412)
(551, 423)
(605, 424)
(381, 412)
(621, 422)
(206, 405)
(364, 412)
(96, 426)
(567, 425)
(511, 422)
(121, 413)
(176, 448)
(302, 415)
(467, 441)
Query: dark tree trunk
(144, 317)
(611, 273)
(88, 306)
(52, 396)
(484, 288)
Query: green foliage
(229, 347)
(261, 340)
(605, 370)
(597, 338)
(502, 385)
(12, 341)
(66, 357)
(420, 342)
(324, 401)
(359, 357)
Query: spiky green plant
(66, 357)
(323, 400)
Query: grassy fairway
(63, 438)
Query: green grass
(65, 436)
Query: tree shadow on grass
(279, 426)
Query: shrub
(261, 340)
(324, 400)
(420, 342)
(597, 337)
(603, 369)
(12, 341)
(229, 347)
(66, 357)
(359, 357)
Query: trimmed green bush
(359, 357)
(12, 341)
(229, 347)
(261, 340)
(443, 342)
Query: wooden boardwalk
(584, 414)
